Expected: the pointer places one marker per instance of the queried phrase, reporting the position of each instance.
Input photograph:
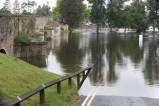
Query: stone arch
(2, 51)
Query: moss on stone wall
(23, 26)
(51, 23)
(28, 23)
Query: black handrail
(17, 100)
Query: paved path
(117, 101)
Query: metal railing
(40, 89)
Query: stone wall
(11, 25)
(33, 53)
(6, 33)
(30, 50)
(41, 22)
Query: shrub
(22, 38)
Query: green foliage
(153, 8)
(4, 11)
(71, 13)
(127, 17)
(27, 25)
(18, 77)
(28, 7)
(140, 20)
(52, 23)
(22, 38)
(131, 16)
(86, 11)
(43, 11)
(98, 12)
(56, 10)
(114, 13)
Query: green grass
(18, 77)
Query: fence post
(83, 74)
(59, 87)
(42, 97)
(18, 104)
(69, 82)
(78, 81)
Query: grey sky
(52, 3)
(39, 2)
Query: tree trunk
(124, 30)
(154, 26)
(111, 29)
(70, 30)
(97, 30)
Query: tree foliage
(43, 11)
(28, 7)
(5, 11)
(127, 17)
(56, 10)
(131, 16)
(140, 20)
(98, 13)
(71, 13)
(114, 13)
(86, 11)
(152, 6)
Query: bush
(22, 38)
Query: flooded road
(123, 65)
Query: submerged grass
(18, 77)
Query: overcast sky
(52, 3)
(39, 2)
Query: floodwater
(123, 64)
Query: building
(16, 7)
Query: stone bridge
(6, 34)
(11, 25)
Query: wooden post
(18, 104)
(42, 97)
(69, 82)
(83, 74)
(78, 81)
(59, 87)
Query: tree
(140, 20)
(56, 10)
(114, 13)
(43, 11)
(152, 6)
(6, 8)
(86, 11)
(71, 13)
(28, 7)
(5, 11)
(127, 17)
(98, 13)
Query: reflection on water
(38, 61)
(69, 54)
(123, 65)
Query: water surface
(123, 64)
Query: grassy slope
(18, 77)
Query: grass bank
(18, 77)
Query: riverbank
(18, 77)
